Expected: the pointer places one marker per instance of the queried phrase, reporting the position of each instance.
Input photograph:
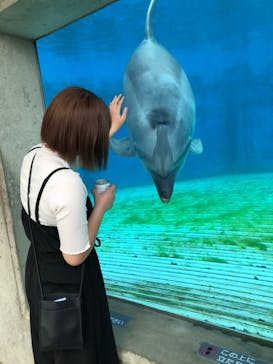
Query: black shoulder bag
(60, 316)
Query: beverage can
(101, 185)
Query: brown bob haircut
(76, 125)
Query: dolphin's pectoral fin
(123, 147)
(196, 146)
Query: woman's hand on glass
(117, 117)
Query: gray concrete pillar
(15, 342)
(21, 110)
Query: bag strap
(41, 191)
(30, 231)
(37, 219)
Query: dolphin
(161, 112)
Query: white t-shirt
(63, 201)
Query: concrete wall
(32, 19)
(21, 110)
(15, 342)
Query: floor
(164, 339)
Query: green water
(231, 210)
(206, 255)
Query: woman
(76, 127)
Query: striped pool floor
(207, 255)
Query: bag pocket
(60, 326)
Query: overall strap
(37, 219)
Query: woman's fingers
(118, 99)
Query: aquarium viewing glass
(207, 254)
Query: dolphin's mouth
(165, 200)
(164, 186)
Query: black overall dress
(57, 275)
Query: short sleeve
(67, 201)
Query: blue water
(225, 48)
(177, 257)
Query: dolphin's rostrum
(161, 112)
